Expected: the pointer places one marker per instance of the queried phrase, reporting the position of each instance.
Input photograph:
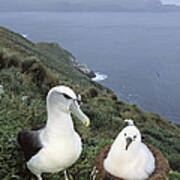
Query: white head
(130, 136)
(63, 99)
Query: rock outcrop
(83, 68)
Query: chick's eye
(135, 137)
(125, 134)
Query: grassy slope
(28, 71)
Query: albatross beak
(128, 142)
(79, 114)
(87, 123)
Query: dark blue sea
(139, 52)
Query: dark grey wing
(29, 142)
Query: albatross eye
(66, 96)
(125, 134)
(134, 136)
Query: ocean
(139, 53)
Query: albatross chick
(128, 157)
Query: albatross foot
(66, 175)
(39, 177)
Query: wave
(24, 35)
(99, 77)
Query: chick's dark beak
(128, 142)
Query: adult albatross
(57, 145)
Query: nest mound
(162, 166)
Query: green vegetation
(28, 71)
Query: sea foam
(99, 77)
(25, 35)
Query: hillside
(29, 70)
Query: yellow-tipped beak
(87, 123)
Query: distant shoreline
(74, 11)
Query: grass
(28, 71)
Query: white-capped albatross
(129, 158)
(57, 145)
